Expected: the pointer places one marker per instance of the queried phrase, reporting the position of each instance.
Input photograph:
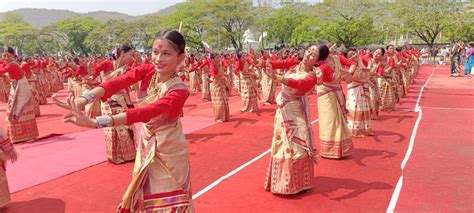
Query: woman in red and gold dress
(7, 152)
(335, 138)
(119, 140)
(268, 85)
(219, 96)
(246, 65)
(358, 99)
(20, 120)
(35, 97)
(162, 162)
(384, 66)
(292, 154)
(4, 87)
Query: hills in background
(43, 17)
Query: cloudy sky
(131, 7)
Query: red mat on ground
(69, 153)
(55, 157)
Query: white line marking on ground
(233, 172)
(212, 185)
(448, 108)
(398, 188)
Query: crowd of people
(455, 55)
(114, 93)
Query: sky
(130, 7)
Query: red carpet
(69, 153)
(55, 157)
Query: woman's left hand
(77, 117)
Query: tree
(74, 31)
(118, 32)
(463, 28)
(261, 13)
(308, 30)
(192, 16)
(348, 22)
(283, 21)
(146, 29)
(426, 19)
(234, 16)
(14, 31)
(13, 18)
(48, 40)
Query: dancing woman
(384, 66)
(335, 138)
(358, 100)
(7, 152)
(219, 96)
(20, 119)
(162, 162)
(245, 65)
(119, 140)
(292, 153)
(268, 84)
(374, 91)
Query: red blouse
(13, 70)
(104, 66)
(64, 67)
(67, 74)
(381, 69)
(328, 72)
(81, 71)
(44, 64)
(25, 66)
(365, 60)
(284, 64)
(224, 62)
(172, 103)
(304, 85)
(194, 68)
(239, 65)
